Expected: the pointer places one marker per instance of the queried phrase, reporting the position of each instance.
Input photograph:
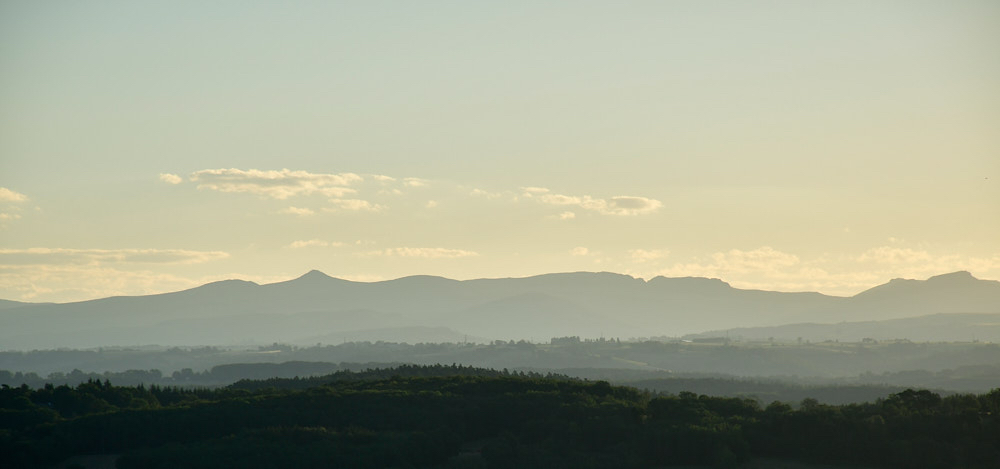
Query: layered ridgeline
(318, 308)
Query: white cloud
(9, 216)
(314, 243)
(431, 204)
(770, 269)
(644, 255)
(7, 195)
(67, 274)
(631, 205)
(171, 178)
(735, 263)
(382, 178)
(579, 251)
(415, 182)
(622, 205)
(531, 191)
(300, 211)
(763, 258)
(891, 255)
(75, 282)
(355, 205)
(280, 184)
(912, 263)
(567, 216)
(558, 199)
(31, 256)
(487, 194)
(427, 253)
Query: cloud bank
(37, 256)
(302, 212)
(354, 205)
(171, 178)
(622, 205)
(7, 195)
(770, 269)
(426, 253)
(314, 243)
(281, 184)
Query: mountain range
(319, 308)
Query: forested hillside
(459, 417)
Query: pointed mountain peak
(314, 275)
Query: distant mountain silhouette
(4, 304)
(954, 292)
(581, 303)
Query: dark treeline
(215, 376)
(302, 375)
(481, 418)
(377, 373)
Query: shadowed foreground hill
(553, 305)
(480, 418)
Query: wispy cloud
(7, 195)
(894, 256)
(622, 205)
(88, 256)
(171, 178)
(529, 191)
(579, 251)
(764, 258)
(483, 193)
(280, 184)
(427, 253)
(314, 243)
(354, 205)
(647, 255)
(68, 274)
(12, 203)
(919, 262)
(300, 211)
(771, 269)
(74, 282)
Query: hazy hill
(4, 304)
(585, 304)
(954, 292)
(950, 327)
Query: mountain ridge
(587, 304)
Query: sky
(828, 146)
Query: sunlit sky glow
(819, 146)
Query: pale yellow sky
(822, 146)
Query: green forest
(463, 417)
